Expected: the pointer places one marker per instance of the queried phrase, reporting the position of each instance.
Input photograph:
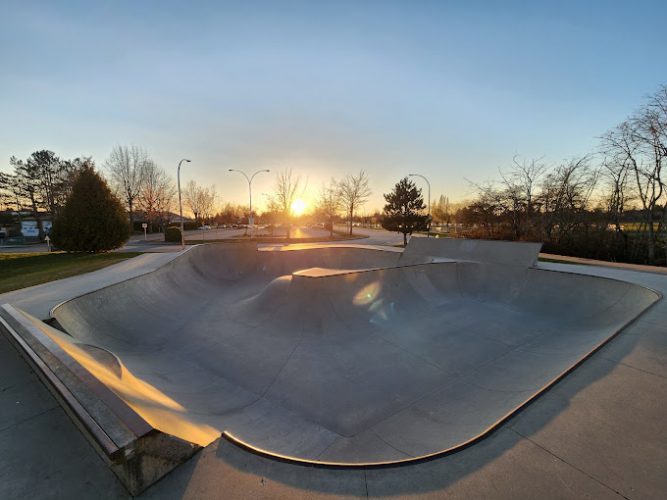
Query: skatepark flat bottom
(341, 355)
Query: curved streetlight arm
(249, 179)
(240, 172)
(266, 170)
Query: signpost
(144, 225)
(48, 242)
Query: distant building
(176, 219)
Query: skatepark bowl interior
(340, 355)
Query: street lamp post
(251, 220)
(180, 203)
(428, 233)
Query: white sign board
(29, 228)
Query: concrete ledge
(565, 259)
(136, 452)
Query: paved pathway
(39, 299)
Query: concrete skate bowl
(344, 355)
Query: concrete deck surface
(599, 433)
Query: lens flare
(367, 294)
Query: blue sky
(451, 90)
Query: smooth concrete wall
(514, 253)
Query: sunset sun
(298, 207)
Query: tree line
(610, 204)
(41, 184)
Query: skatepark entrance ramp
(342, 355)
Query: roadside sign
(144, 225)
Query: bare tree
(651, 134)
(513, 199)
(126, 167)
(200, 200)
(192, 199)
(329, 203)
(636, 145)
(208, 203)
(354, 193)
(566, 192)
(518, 192)
(286, 191)
(157, 194)
(483, 212)
(618, 193)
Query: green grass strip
(20, 270)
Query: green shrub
(172, 234)
(93, 219)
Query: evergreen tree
(93, 219)
(402, 211)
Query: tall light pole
(249, 179)
(180, 203)
(428, 233)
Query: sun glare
(298, 207)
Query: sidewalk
(39, 299)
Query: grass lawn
(19, 270)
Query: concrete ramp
(345, 355)
(512, 253)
